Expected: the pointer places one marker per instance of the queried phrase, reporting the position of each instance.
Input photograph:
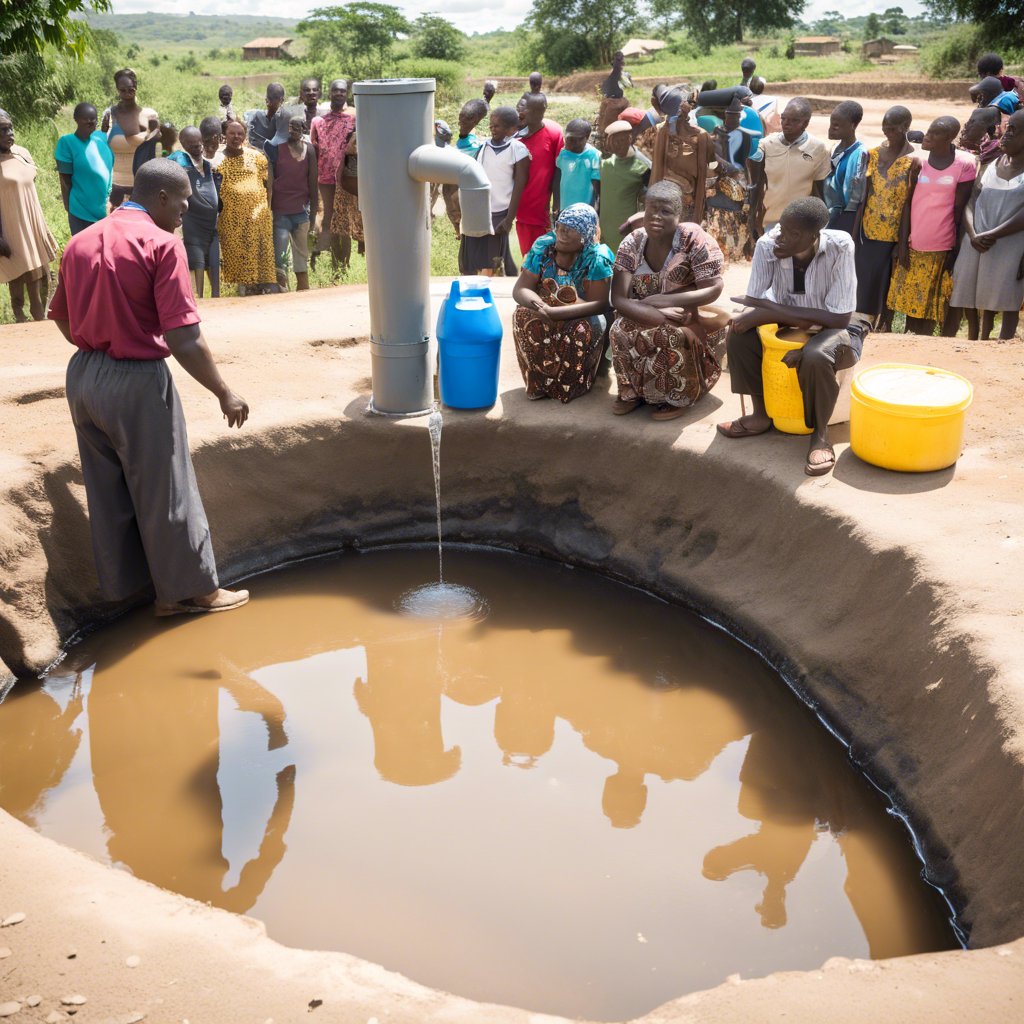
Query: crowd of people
(841, 237)
(619, 252)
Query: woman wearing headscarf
(128, 128)
(26, 245)
(562, 294)
(682, 152)
(662, 345)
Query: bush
(956, 54)
(448, 74)
(686, 48)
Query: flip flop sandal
(821, 468)
(735, 429)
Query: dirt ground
(943, 566)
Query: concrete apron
(846, 584)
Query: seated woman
(562, 292)
(664, 271)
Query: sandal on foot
(222, 601)
(623, 406)
(734, 428)
(825, 466)
(668, 412)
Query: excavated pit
(887, 603)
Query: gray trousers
(827, 352)
(145, 513)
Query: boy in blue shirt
(85, 164)
(580, 166)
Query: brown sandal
(733, 428)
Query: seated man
(802, 276)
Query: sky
(468, 15)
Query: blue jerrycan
(469, 345)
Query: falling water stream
(434, 426)
(441, 600)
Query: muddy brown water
(587, 803)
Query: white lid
(378, 86)
(917, 386)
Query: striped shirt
(830, 281)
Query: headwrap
(670, 100)
(582, 219)
(634, 115)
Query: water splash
(434, 426)
(439, 601)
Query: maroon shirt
(123, 283)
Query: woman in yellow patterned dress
(892, 172)
(245, 225)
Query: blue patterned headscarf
(582, 219)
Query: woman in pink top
(922, 281)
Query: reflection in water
(497, 808)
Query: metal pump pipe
(396, 159)
(449, 166)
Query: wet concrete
(586, 802)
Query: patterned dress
(245, 225)
(345, 217)
(880, 230)
(667, 365)
(560, 359)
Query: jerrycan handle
(456, 292)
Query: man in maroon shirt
(124, 300)
(543, 139)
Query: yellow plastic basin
(783, 399)
(908, 418)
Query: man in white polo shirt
(788, 165)
(802, 276)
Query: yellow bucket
(783, 398)
(908, 418)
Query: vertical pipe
(394, 117)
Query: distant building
(642, 48)
(875, 48)
(817, 46)
(905, 50)
(266, 48)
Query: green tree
(999, 20)
(831, 23)
(437, 39)
(361, 36)
(569, 34)
(27, 26)
(872, 26)
(894, 21)
(712, 22)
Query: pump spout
(450, 167)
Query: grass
(185, 99)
